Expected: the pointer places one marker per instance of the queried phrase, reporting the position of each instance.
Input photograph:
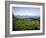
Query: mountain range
(18, 16)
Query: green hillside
(25, 24)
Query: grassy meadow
(25, 24)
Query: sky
(29, 11)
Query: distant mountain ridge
(27, 16)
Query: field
(25, 24)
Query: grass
(25, 24)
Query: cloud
(26, 11)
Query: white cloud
(26, 14)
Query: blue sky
(22, 11)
